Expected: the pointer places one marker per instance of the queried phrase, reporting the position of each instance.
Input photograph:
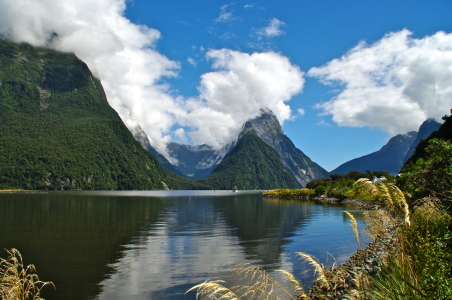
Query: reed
(213, 290)
(256, 283)
(17, 281)
(319, 269)
(355, 227)
(387, 193)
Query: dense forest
(57, 130)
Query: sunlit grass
(17, 281)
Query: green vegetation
(57, 130)
(431, 175)
(419, 266)
(286, 193)
(252, 164)
(339, 186)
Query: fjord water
(158, 244)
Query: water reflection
(141, 245)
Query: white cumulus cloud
(393, 84)
(124, 56)
(234, 93)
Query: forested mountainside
(444, 132)
(298, 164)
(425, 130)
(57, 130)
(251, 164)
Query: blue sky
(341, 76)
(312, 34)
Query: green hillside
(443, 133)
(57, 130)
(252, 164)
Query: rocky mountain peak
(300, 166)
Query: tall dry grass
(387, 193)
(17, 281)
(354, 225)
(256, 283)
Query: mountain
(139, 135)
(251, 164)
(444, 132)
(389, 158)
(392, 156)
(57, 130)
(199, 162)
(196, 162)
(426, 129)
(300, 166)
(264, 157)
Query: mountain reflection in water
(156, 245)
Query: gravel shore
(342, 280)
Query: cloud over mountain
(124, 56)
(394, 84)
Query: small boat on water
(235, 189)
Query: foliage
(419, 268)
(339, 185)
(443, 133)
(17, 281)
(289, 193)
(431, 175)
(386, 193)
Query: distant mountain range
(392, 156)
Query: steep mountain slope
(300, 166)
(142, 138)
(427, 128)
(389, 158)
(58, 131)
(251, 164)
(444, 133)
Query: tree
(432, 175)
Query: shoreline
(344, 280)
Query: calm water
(156, 244)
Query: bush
(430, 176)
